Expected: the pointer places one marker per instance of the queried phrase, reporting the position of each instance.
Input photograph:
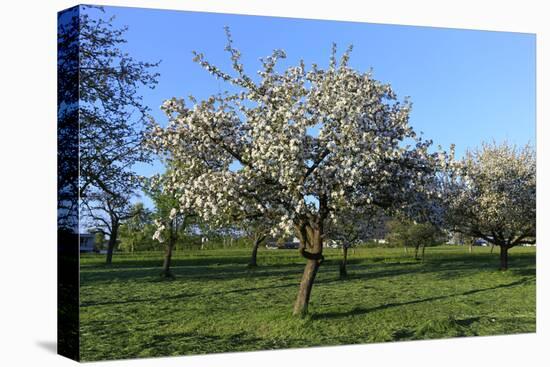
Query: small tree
(307, 143)
(352, 227)
(407, 233)
(494, 197)
(99, 240)
(108, 212)
(134, 232)
(258, 231)
(463, 239)
(170, 221)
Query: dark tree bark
(311, 249)
(311, 234)
(344, 263)
(116, 210)
(306, 285)
(504, 257)
(172, 239)
(166, 273)
(492, 247)
(416, 252)
(112, 241)
(253, 257)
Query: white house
(87, 242)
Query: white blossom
(494, 195)
(358, 158)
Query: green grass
(217, 304)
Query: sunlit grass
(217, 304)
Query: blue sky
(466, 86)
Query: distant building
(455, 238)
(293, 243)
(271, 245)
(289, 245)
(330, 243)
(480, 242)
(87, 242)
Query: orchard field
(217, 304)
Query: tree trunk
(112, 243)
(423, 251)
(416, 252)
(344, 263)
(492, 247)
(302, 301)
(503, 257)
(166, 273)
(470, 248)
(172, 239)
(314, 256)
(406, 250)
(253, 257)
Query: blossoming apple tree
(494, 197)
(168, 220)
(296, 145)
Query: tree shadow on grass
(450, 266)
(183, 296)
(362, 311)
(467, 321)
(447, 267)
(189, 273)
(187, 343)
(524, 271)
(520, 264)
(154, 260)
(366, 275)
(197, 343)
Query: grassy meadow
(217, 304)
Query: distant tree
(207, 235)
(352, 227)
(494, 197)
(99, 240)
(108, 213)
(471, 242)
(406, 233)
(135, 232)
(169, 219)
(466, 240)
(307, 142)
(258, 230)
